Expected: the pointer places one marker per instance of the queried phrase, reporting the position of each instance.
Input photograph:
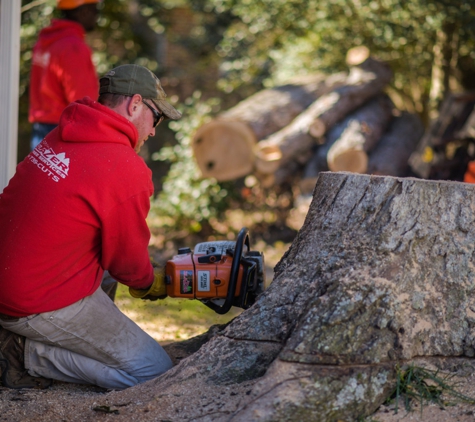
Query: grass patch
(170, 319)
(422, 385)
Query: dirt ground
(69, 402)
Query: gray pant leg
(90, 341)
(109, 285)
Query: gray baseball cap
(131, 79)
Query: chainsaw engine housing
(221, 274)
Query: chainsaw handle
(242, 239)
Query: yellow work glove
(158, 289)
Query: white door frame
(10, 21)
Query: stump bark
(381, 272)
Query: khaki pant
(90, 342)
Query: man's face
(150, 117)
(87, 15)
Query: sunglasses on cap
(157, 117)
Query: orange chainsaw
(221, 274)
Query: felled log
(224, 147)
(224, 150)
(365, 80)
(391, 155)
(349, 143)
(381, 273)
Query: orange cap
(72, 4)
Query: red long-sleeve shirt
(75, 207)
(62, 71)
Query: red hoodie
(62, 71)
(75, 207)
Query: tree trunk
(391, 155)
(445, 50)
(363, 82)
(380, 273)
(224, 147)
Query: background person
(76, 207)
(62, 70)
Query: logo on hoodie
(55, 166)
(41, 59)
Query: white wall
(10, 19)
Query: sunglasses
(157, 117)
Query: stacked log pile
(289, 134)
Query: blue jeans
(90, 342)
(39, 131)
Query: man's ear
(134, 105)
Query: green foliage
(273, 39)
(187, 199)
(424, 385)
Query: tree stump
(381, 272)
